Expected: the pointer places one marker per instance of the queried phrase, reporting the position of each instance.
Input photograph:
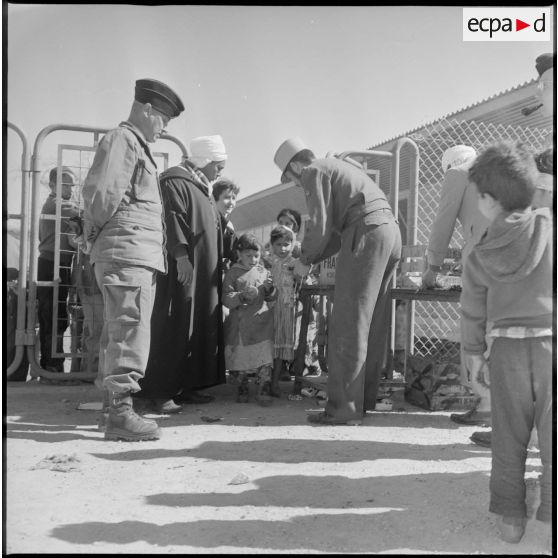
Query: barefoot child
(248, 292)
(507, 281)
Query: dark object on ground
(483, 439)
(193, 397)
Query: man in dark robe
(187, 343)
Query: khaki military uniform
(124, 232)
(349, 214)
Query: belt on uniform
(358, 218)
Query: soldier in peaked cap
(124, 235)
(351, 216)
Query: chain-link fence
(437, 323)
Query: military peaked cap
(160, 95)
(544, 62)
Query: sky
(341, 78)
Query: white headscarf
(205, 149)
(456, 156)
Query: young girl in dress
(291, 218)
(282, 241)
(248, 292)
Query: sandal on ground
(471, 418)
(326, 419)
(295, 397)
(483, 439)
(165, 406)
(309, 391)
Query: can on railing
(327, 271)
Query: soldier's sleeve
(451, 198)
(473, 307)
(318, 232)
(108, 179)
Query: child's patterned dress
(284, 314)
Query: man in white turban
(458, 202)
(208, 155)
(187, 343)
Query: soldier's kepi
(123, 224)
(351, 216)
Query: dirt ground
(405, 482)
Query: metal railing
(29, 258)
(20, 340)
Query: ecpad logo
(507, 24)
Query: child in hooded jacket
(507, 281)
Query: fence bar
(23, 254)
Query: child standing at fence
(507, 281)
(282, 241)
(248, 292)
(292, 219)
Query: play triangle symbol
(519, 25)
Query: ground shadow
(49, 434)
(385, 514)
(279, 450)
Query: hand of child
(250, 294)
(476, 368)
(300, 269)
(268, 286)
(483, 375)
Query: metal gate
(20, 283)
(78, 159)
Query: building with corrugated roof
(479, 124)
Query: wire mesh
(436, 333)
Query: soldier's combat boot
(124, 424)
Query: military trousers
(128, 295)
(359, 322)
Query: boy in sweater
(507, 280)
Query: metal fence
(436, 331)
(78, 157)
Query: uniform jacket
(338, 194)
(507, 278)
(458, 200)
(123, 214)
